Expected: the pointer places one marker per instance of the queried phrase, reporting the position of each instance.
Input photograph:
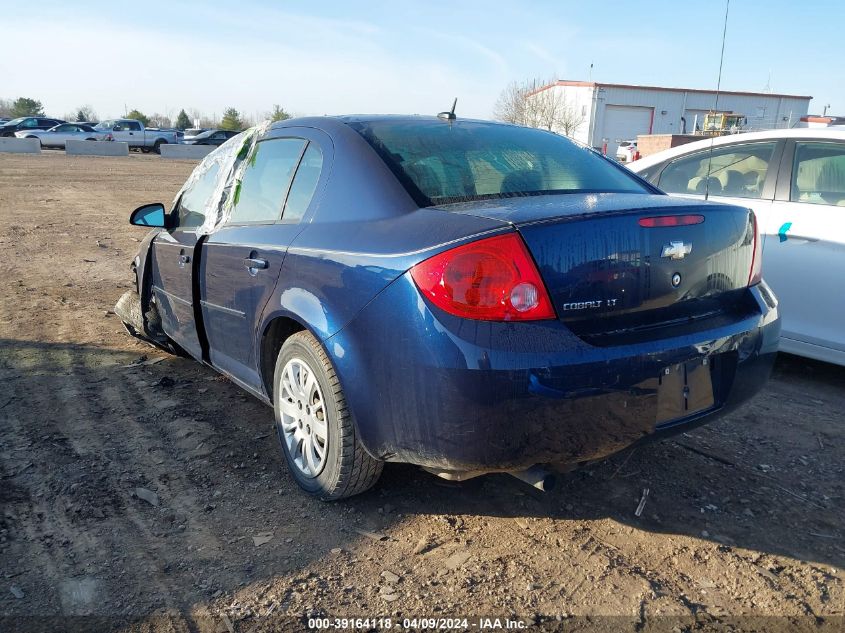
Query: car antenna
(450, 115)
(716, 104)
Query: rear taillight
(756, 274)
(493, 279)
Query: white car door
(805, 258)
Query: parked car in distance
(27, 123)
(193, 131)
(133, 132)
(59, 135)
(211, 137)
(467, 296)
(627, 152)
(794, 180)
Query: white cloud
(306, 64)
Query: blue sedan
(467, 296)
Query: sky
(333, 57)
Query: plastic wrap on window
(230, 158)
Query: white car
(794, 180)
(627, 152)
(58, 135)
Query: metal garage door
(622, 123)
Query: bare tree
(511, 104)
(536, 103)
(159, 120)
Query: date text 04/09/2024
(384, 623)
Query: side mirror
(149, 215)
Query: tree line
(529, 103)
(232, 119)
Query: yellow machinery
(722, 123)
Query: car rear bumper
(458, 395)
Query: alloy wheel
(303, 417)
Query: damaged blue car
(467, 296)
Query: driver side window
(192, 205)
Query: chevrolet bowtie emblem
(676, 250)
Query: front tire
(314, 425)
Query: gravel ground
(149, 492)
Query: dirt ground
(743, 523)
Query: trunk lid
(613, 281)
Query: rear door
(242, 260)
(134, 134)
(173, 264)
(805, 255)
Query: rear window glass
(441, 163)
(304, 184)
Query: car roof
(408, 118)
(831, 133)
(336, 123)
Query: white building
(609, 113)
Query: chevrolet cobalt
(468, 296)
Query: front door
(173, 264)
(172, 277)
(242, 259)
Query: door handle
(184, 259)
(255, 263)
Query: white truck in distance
(133, 132)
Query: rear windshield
(441, 163)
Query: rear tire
(314, 425)
(157, 146)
